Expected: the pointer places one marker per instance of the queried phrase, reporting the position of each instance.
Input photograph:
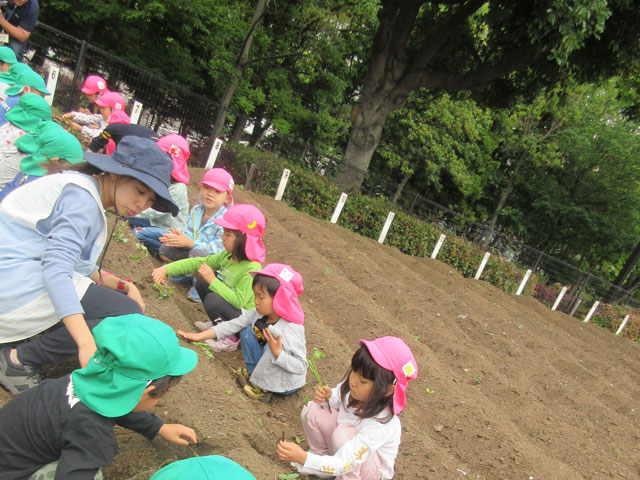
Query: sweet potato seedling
(164, 291)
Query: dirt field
(506, 388)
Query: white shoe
(224, 345)
(202, 326)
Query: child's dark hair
(238, 252)
(163, 384)
(379, 399)
(265, 281)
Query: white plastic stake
(436, 249)
(341, 202)
(136, 110)
(217, 145)
(524, 281)
(283, 184)
(592, 311)
(622, 325)
(385, 229)
(560, 295)
(482, 265)
(52, 81)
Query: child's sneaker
(193, 295)
(256, 392)
(242, 376)
(224, 345)
(202, 326)
(17, 378)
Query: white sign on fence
(338, 210)
(592, 311)
(622, 325)
(524, 281)
(436, 249)
(217, 145)
(283, 184)
(136, 110)
(560, 295)
(52, 81)
(385, 229)
(482, 265)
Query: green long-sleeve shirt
(236, 285)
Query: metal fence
(172, 108)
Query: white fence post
(524, 281)
(136, 110)
(482, 265)
(341, 202)
(52, 81)
(560, 295)
(283, 183)
(436, 249)
(622, 325)
(385, 229)
(214, 153)
(592, 311)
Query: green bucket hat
(28, 78)
(51, 141)
(15, 69)
(30, 111)
(132, 350)
(7, 55)
(211, 467)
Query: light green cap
(210, 467)
(15, 69)
(52, 141)
(28, 78)
(30, 111)
(7, 55)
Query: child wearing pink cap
(89, 121)
(358, 436)
(201, 236)
(150, 224)
(272, 334)
(223, 280)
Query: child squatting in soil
(65, 425)
(202, 235)
(272, 335)
(88, 121)
(228, 294)
(359, 434)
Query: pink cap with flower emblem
(94, 84)
(285, 301)
(391, 353)
(221, 180)
(249, 220)
(111, 99)
(178, 148)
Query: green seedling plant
(142, 252)
(119, 235)
(429, 391)
(164, 291)
(206, 349)
(288, 476)
(478, 379)
(317, 354)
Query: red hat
(94, 84)
(285, 301)
(221, 180)
(250, 221)
(111, 99)
(391, 353)
(178, 147)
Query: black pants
(217, 308)
(56, 343)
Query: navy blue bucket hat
(143, 160)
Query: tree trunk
(404, 181)
(614, 293)
(238, 128)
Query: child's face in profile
(263, 301)
(212, 199)
(91, 97)
(106, 113)
(360, 387)
(228, 239)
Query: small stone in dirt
(438, 428)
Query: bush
(611, 316)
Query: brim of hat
(89, 91)
(187, 361)
(15, 90)
(210, 467)
(164, 202)
(100, 103)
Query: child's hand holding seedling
(159, 275)
(312, 366)
(321, 394)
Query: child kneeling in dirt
(358, 435)
(66, 425)
(273, 341)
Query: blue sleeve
(71, 229)
(190, 226)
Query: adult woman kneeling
(52, 231)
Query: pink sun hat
(249, 220)
(94, 84)
(285, 301)
(221, 180)
(391, 353)
(111, 99)
(178, 148)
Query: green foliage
(164, 291)
(142, 252)
(120, 235)
(611, 316)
